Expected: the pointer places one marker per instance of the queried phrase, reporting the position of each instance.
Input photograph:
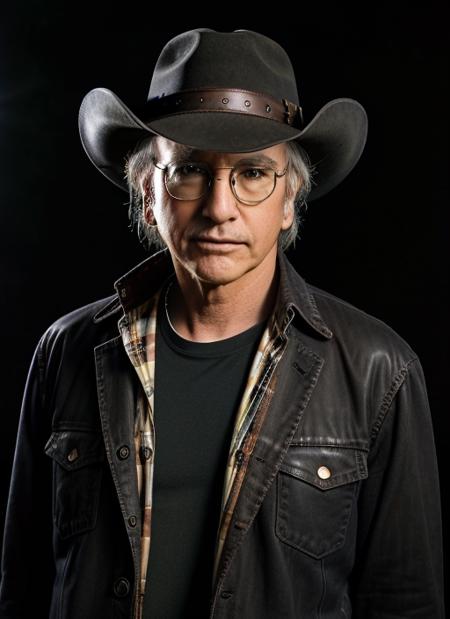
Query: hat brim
(334, 139)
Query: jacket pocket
(78, 458)
(316, 492)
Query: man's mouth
(214, 244)
(210, 239)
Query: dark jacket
(339, 513)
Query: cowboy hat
(228, 92)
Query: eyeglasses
(188, 180)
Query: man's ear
(289, 208)
(149, 215)
(146, 185)
(147, 199)
(288, 214)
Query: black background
(379, 240)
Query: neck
(205, 312)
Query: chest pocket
(78, 458)
(316, 492)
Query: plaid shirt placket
(138, 330)
(248, 423)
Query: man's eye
(189, 169)
(254, 173)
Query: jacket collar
(294, 292)
(142, 281)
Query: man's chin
(216, 270)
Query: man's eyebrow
(191, 153)
(259, 159)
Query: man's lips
(207, 239)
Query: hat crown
(205, 58)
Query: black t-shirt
(198, 389)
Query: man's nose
(220, 203)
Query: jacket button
(123, 452)
(121, 587)
(323, 472)
(73, 455)
(132, 521)
(226, 594)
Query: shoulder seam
(388, 398)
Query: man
(221, 438)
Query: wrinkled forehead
(173, 151)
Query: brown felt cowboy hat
(227, 92)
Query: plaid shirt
(138, 330)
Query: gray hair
(139, 166)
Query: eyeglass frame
(210, 170)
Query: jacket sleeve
(27, 559)
(399, 565)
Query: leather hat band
(226, 100)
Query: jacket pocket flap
(325, 467)
(73, 449)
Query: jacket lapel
(282, 407)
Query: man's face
(244, 237)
